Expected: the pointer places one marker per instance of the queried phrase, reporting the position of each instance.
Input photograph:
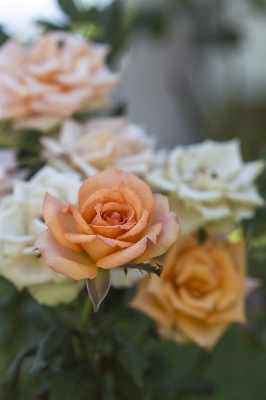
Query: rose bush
(209, 185)
(58, 75)
(118, 220)
(102, 143)
(21, 222)
(200, 293)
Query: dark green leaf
(3, 36)
(68, 7)
(9, 384)
(98, 287)
(133, 363)
(51, 26)
(48, 346)
(78, 383)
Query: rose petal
(102, 247)
(170, 229)
(58, 222)
(112, 177)
(124, 256)
(64, 260)
(139, 227)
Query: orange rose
(200, 293)
(118, 221)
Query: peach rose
(56, 76)
(118, 220)
(201, 291)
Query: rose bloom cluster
(101, 143)
(203, 286)
(56, 76)
(89, 212)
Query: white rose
(21, 222)
(102, 143)
(209, 185)
(119, 279)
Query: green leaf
(68, 7)
(3, 36)
(9, 384)
(48, 346)
(133, 363)
(78, 383)
(98, 287)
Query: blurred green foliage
(61, 353)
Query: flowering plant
(109, 299)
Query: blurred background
(191, 69)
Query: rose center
(113, 218)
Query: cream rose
(21, 222)
(118, 220)
(102, 143)
(209, 185)
(200, 293)
(58, 75)
(119, 279)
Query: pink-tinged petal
(45, 68)
(94, 198)
(82, 224)
(63, 260)
(102, 247)
(58, 222)
(139, 227)
(37, 88)
(78, 76)
(112, 177)
(124, 256)
(170, 229)
(65, 103)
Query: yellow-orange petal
(204, 334)
(149, 304)
(63, 260)
(58, 222)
